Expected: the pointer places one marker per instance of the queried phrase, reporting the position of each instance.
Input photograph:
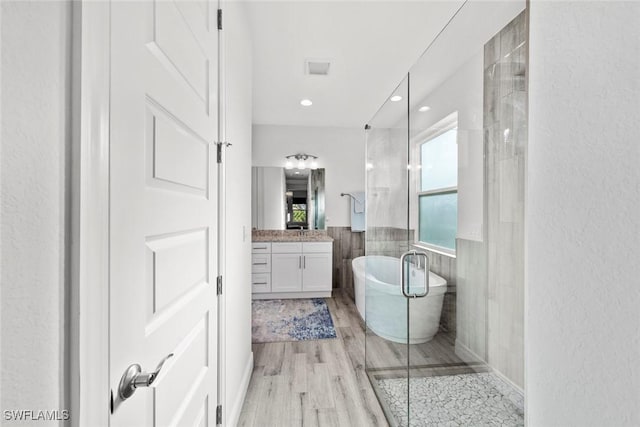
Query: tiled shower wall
(471, 303)
(505, 141)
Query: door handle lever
(134, 378)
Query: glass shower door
(445, 177)
(387, 238)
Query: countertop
(290, 236)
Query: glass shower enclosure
(444, 273)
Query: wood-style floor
(314, 383)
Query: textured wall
(583, 205)
(35, 149)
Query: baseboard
(466, 354)
(508, 381)
(234, 414)
(292, 295)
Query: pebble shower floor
(479, 399)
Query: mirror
(287, 199)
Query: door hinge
(219, 415)
(219, 19)
(219, 286)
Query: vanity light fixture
(301, 159)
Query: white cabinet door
(286, 273)
(316, 274)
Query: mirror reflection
(287, 199)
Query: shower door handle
(403, 274)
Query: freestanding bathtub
(383, 307)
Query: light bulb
(396, 98)
(314, 165)
(369, 166)
(301, 164)
(288, 165)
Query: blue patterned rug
(276, 320)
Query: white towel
(358, 211)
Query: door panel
(316, 274)
(163, 210)
(286, 272)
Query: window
(299, 213)
(438, 191)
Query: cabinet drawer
(286, 247)
(317, 247)
(261, 263)
(261, 282)
(261, 247)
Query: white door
(163, 209)
(316, 273)
(286, 272)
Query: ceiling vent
(317, 67)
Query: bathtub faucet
(418, 262)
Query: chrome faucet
(418, 263)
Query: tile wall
(347, 245)
(505, 140)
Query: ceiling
(370, 44)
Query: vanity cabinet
(297, 270)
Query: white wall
(237, 280)
(35, 152)
(340, 152)
(583, 286)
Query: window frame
(440, 128)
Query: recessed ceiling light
(306, 102)
(424, 108)
(395, 98)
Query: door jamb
(89, 322)
(221, 201)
